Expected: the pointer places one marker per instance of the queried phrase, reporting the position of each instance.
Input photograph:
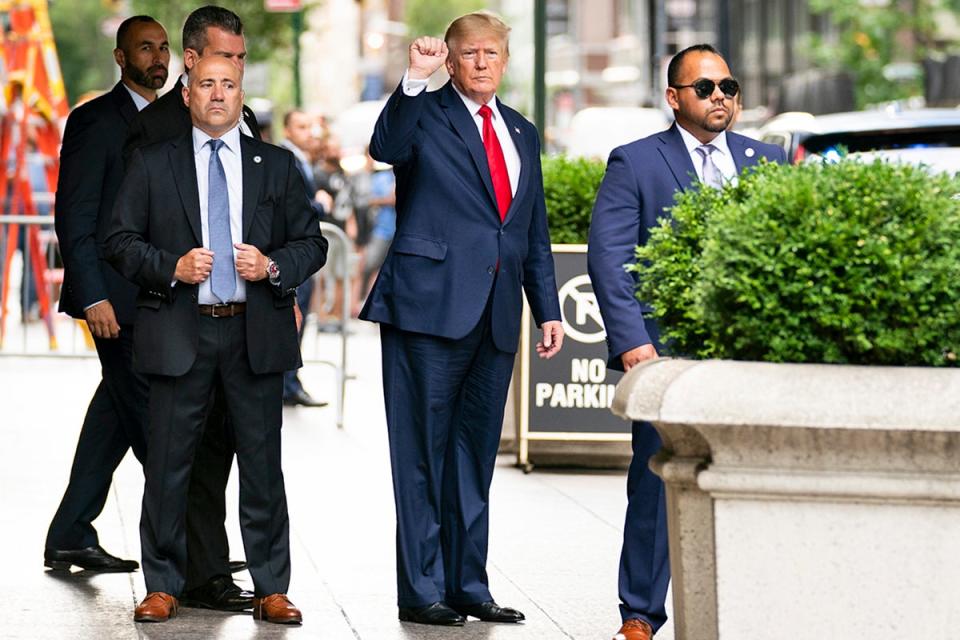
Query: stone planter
(807, 501)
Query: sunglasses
(705, 87)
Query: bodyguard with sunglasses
(638, 188)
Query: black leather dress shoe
(303, 399)
(490, 612)
(218, 593)
(237, 565)
(437, 613)
(92, 559)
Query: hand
(251, 264)
(194, 266)
(552, 339)
(297, 315)
(426, 56)
(102, 321)
(637, 355)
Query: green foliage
(264, 32)
(843, 263)
(85, 53)
(570, 187)
(871, 37)
(431, 17)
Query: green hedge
(570, 187)
(844, 263)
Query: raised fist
(426, 56)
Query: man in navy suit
(639, 187)
(471, 239)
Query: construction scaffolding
(33, 107)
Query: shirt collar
(296, 151)
(719, 143)
(138, 100)
(474, 107)
(231, 139)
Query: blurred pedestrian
(297, 132)
(90, 174)
(332, 180)
(641, 181)
(184, 216)
(471, 239)
(382, 203)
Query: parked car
(802, 135)
(595, 131)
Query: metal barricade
(335, 234)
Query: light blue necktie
(711, 174)
(223, 280)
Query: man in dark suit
(638, 189)
(471, 239)
(207, 31)
(215, 229)
(90, 174)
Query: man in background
(91, 169)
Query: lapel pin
(517, 129)
(258, 159)
(749, 152)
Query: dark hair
(124, 29)
(195, 28)
(288, 115)
(673, 69)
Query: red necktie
(498, 166)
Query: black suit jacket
(156, 219)
(168, 117)
(91, 169)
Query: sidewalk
(554, 543)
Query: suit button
(193, 297)
(489, 269)
(501, 231)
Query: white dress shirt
(138, 100)
(233, 168)
(721, 157)
(413, 87)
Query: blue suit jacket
(442, 266)
(640, 185)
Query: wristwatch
(273, 271)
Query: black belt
(227, 310)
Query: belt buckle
(222, 305)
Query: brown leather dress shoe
(276, 608)
(634, 629)
(156, 607)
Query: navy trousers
(445, 401)
(645, 559)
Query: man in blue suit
(471, 239)
(639, 187)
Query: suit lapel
(675, 154)
(744, 155)
(524, 150)
(252, 181)
(127, 108)
(466, 128)
(184, 169)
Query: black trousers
(445, 401)
(116, 421)
(178, 408)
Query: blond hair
(478, 22)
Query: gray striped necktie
(711, 174)
(223, 280)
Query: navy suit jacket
(639, 187)
(442, 266)
(91, 170)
